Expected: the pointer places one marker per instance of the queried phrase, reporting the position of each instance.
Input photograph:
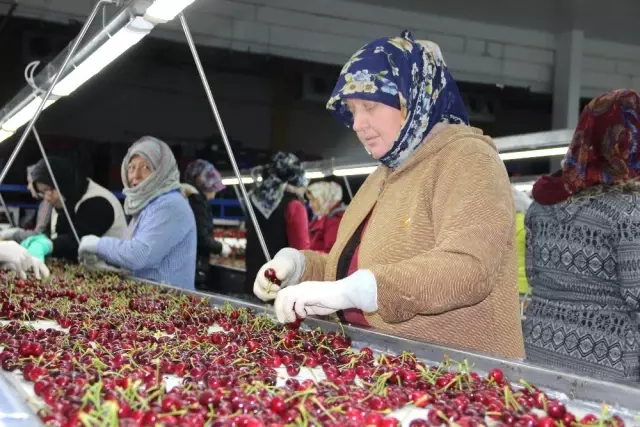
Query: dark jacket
(95, 215)
(207, 245)
(276, 231)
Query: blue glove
(38, 246)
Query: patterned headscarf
(164, 178)
(283, 169)
(327, 193)
(405, 74)
(605, 149)
(210, 180)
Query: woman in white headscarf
(160, 243)
(325, 199)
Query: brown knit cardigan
(441, 244)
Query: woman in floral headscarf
(202, 182)
(426, 249)
(325, 199)
(582, 253)
(283, 218)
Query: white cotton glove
(15, 258)
(88, 245)
(226, 250)
(289, 267)
(39, 269)
(321, 298)
(9, 233)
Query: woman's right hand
(288, 266)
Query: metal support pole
(55, 183)
(346, 184)
(223, 133)
(47, 95)
(6, 209)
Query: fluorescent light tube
(165, 10)
(530, 154)
(234, 181)
(4, 134)
(314, 175)
(16, 121)
(119, 43)
(354, 171)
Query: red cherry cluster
(125, 342)
(270, 275)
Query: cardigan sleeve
(314, 264)
(473, 216)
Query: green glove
(38, 246)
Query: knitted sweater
(582, 266)
(440, 242)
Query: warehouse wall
(170, 103)
(329, 31)
(155, 89)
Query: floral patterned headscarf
(405, 74)
(283, 169)
(210, 179)
(604, 149)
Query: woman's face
(377, 125)
(50, 194)
(138, 170)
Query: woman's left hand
(321, 298)
(88, 245)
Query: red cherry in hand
(270, 275)
(296, 323)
